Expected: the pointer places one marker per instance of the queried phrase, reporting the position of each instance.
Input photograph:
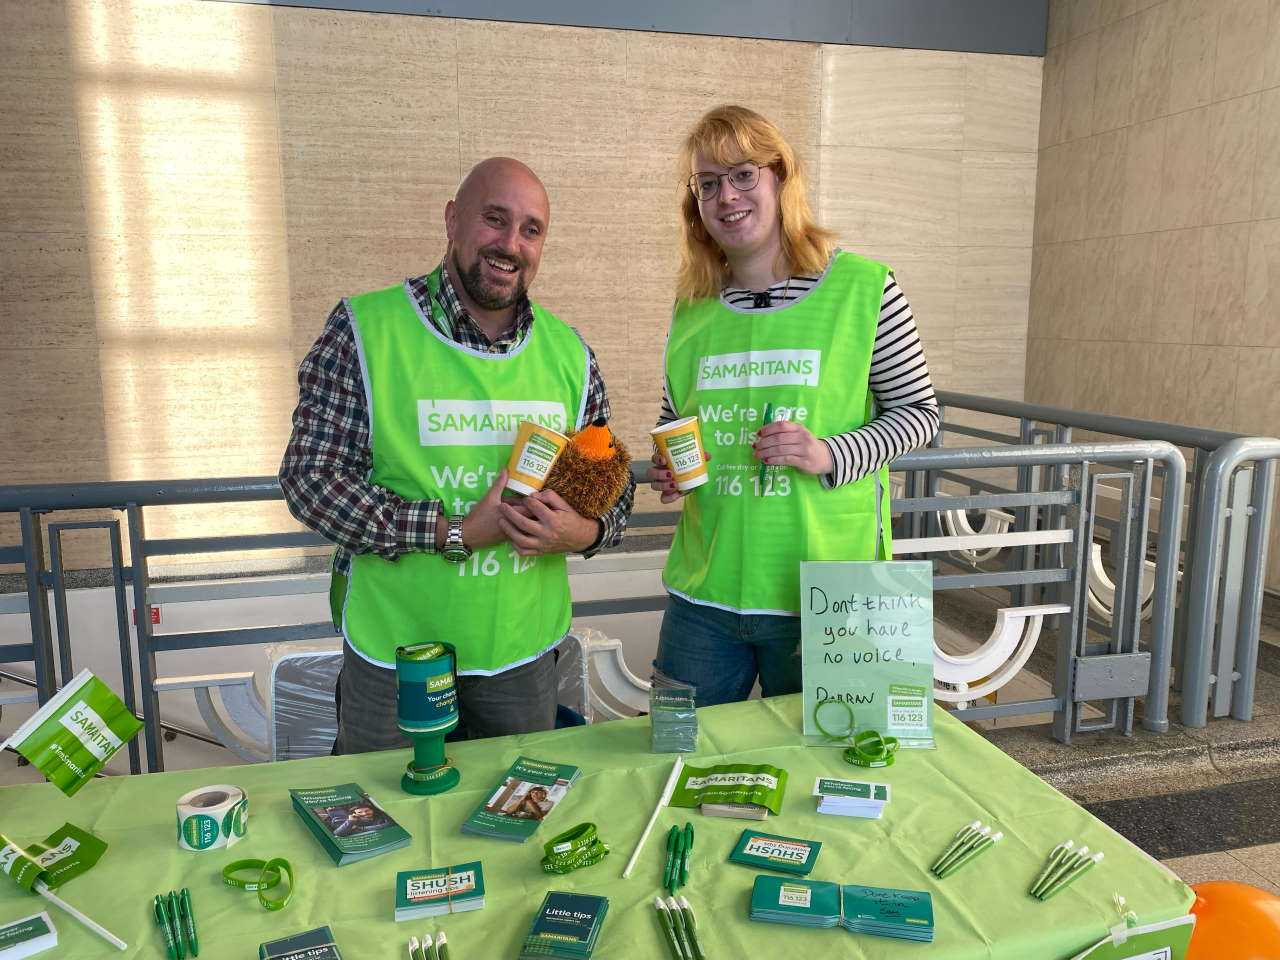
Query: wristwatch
(453, 549)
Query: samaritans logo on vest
(760, 368)
(90, 730)
(483, 423)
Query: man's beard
(478, 289)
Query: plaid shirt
(327, 463)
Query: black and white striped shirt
(906, 408)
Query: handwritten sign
(866, 632)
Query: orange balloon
(1234, 921)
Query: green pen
(961, 835)
(677, 921)
(1066, 881)
(668, 928)
(684, 856)
(980, 847)
(672, 836)
(968, 844)
(442, 946)
(162, 920)
(172, 904)
(692, 929)
(1055, 857)
(675, 864)
(768, 418)
(189, 922)
(1065, 866)
(429, 948)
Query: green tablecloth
(983, 911)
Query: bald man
(406, 414)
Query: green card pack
(769, 852)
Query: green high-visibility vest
(740, 541)
(443, 418)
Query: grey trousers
(520, 700)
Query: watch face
(455, 554)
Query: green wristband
(827, 734)
(871, 749)
(279, 866)
(264, 879)
(577, 847)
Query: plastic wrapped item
(304, 719)
(673, 719)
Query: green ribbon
(574, 849)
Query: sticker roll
(210, 818)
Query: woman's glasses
(743, 176)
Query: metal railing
(1223, 549)
(1059, 521)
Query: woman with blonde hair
(803, 365)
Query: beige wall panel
(1177, 264)
(989, 367)
(1002, 102)
(1086, 16)
(1135, 287)
(1220, 300)
(1209, 385)
(1046, 226)
(1271, 58)
(885, 196)
(180, 160)
(1040, 356)
(1095, 387)
(1242, 36)
(884, 97)
(1073, 181)
(1143, 210)
(940, 355)
(46, 296)
(1113, 95)
(56, 421)
(1045, 291)
(993, 291)
(368, 124)
(1067, 278)
(231, 288)
(1059, 21)
(672, 80)
(1078, 86)
(1153, 61)
(997, 199)
(196, 408)
(182, 42)
(1233, 142)
(552, 96)
(323, 270)
(1266, 171)
(33, 41)
(1257, 399)
(1186, 157)
(1095, 287)
(927, 276)
(1193, 51)
(40, 185)
(1104, 204)
(1262, 291)
(1051, 97)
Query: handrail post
(37, 607)
(146, 647)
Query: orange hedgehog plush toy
(592, 472)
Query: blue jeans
(722, 653)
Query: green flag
(63, 855)
(72, 736)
